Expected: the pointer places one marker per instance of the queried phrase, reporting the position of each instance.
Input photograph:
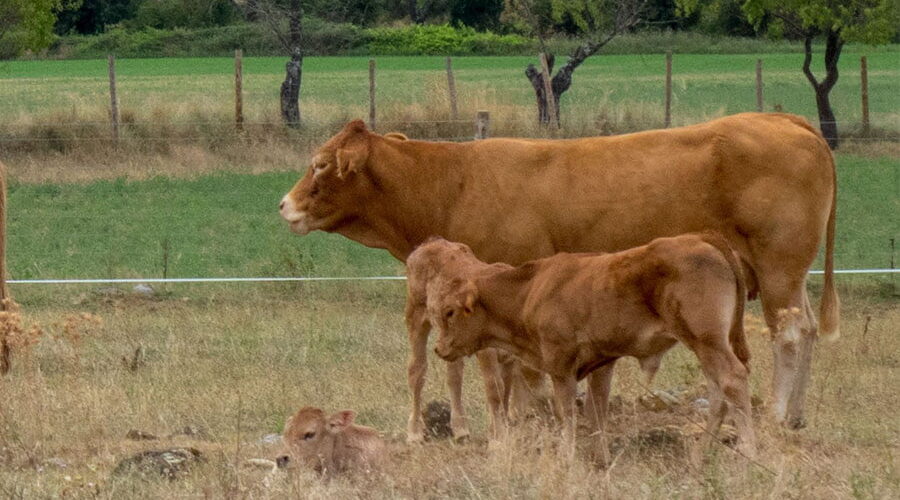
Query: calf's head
(452, 311)
(310, 438)
(336, 186)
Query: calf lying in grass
(573, 314)
(329, 445)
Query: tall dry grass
(235, 363)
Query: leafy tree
(28, 24)
(168, 14)
(598, 22)
(88, 17)
(479, 14)
(838, 22)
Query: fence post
(482, 125)
(668, 112)
(4, 292)
(372, 94)
(548, 91)
(113, 99)
(238, 90)
(451, 88)
(759, 86)
(864, 81)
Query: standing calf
(571, 314)
(329, 445)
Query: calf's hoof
(415, 438)
(795, 423)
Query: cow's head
(309, 438)
(336, 186)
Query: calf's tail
(736, 335)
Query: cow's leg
(596, 407)
(804, 362)
(509, 368)
(564, 403)
(418, 364)
(458, 423)
(493, 391)
(650, 365)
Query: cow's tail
(4, 293)
(830, 308)
(736, 334)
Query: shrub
(443, 40)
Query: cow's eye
(308, 436)
(448, 314)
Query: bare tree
(285, 19)
(599, 21)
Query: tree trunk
(827, 120)
(536, 77)
(290, 90)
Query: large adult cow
(765, 181)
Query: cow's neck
(414, 185)
(503, 295)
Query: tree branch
(833, 46)
(807, 59)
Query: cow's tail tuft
(4, 293)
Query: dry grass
(235, 363)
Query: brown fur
(765, 181)
(570, 314)
(330, 445)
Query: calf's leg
(458, 424)
(564, 403)
(415, 371)
(596, 407)
(493, 391)
(730, 375)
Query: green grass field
(226, 224)
(336, 88)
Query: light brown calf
(329, 445)
(573, 314)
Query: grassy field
(336, 88)
(234, 364)
(226, 224)
(234, 360)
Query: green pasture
(336, 88)
(227, 224)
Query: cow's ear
(341, 420)
(470, 295)
(396, 135)
(352, 156)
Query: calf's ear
(397, 135)
(470, 295)
(341, 420)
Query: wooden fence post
(372, 94)
(113, 99)
(759, 86)
(864, 81)
(238, 90)
(5, 298)
(668, 115)
(451, 88)
(482, 124)
(548, 91)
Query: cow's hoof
(415, 438)
(461, 435)
(795, 423)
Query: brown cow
(766, 181)
(329, 445)
(571, 314)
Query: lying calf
(571, 314)
(329, 445)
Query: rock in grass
(437, 420)
(142, 289)
(136, 435)
(169, 464)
